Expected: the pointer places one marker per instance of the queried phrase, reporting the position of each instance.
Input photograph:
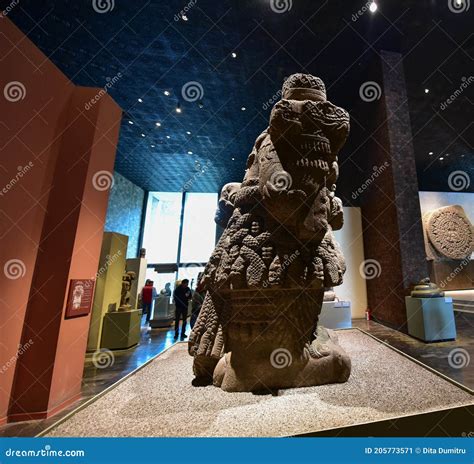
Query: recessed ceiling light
(167, 93)
(130, 122)
(140, 100)
(243, 108)
(190, 152)
(185, 18)
(152, 146)
(168, 137)
(430, 153)
(427, 90)
(447, 154)
(188, 132)
(158, 124)
(178, 110)
(234, 55)
(441, 159)
(373, 7)
(233, 159)
(143, 135)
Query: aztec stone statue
(265, 281)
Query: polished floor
(153, 342)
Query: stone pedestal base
(163, 313)
(121, 329)
(431, 319)
(321, 362)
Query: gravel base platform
(159, 399)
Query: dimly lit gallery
(236, 218)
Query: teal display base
(431, 319)
(336, 315)
(121, 329)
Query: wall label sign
(79, 300)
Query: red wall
(52, 221)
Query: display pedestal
(431, 319)
(108, 287)
(163, 313)
(121, 329)
(336, 315)
(137, 265)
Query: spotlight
(234, 55)
(190, 152)
(178, 108)
(188, 132)
(373, 7)
(143, 135)
(233, 159)
(168, 137)
(243, 108)
(130, 122)
(140, 100)
(158, 124)
(430, 153)
(427, 90)
(152, 146)
(441, 159)
(167, 93)
(185, 18)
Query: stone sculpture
(448, 234)
(125, 296)
(426, 289)
(266, 278)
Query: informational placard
(79, 301)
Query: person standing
(182, 294)
(148, 296)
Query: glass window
(199, 228)
(160, 280)
(161, 233)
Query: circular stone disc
(451, 233)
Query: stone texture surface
(449, 233)
(383, 385)
(124, 212)
(391, 217)
(267, 274)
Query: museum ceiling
(196, 79)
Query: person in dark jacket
(182, 294)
